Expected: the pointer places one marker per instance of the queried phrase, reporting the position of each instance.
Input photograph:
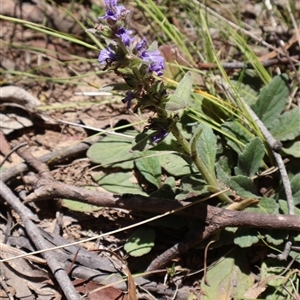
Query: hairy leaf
(80, 206)
(245, 91)
(238, 136)
(222, 175)
(246, 237)
(251, 158)
(207, 147)
(182, 95)
(265, 205)
(275, 236)
(272, 100)
(292, 149)
(118, 183)
(226, 279)
(244, 186)
(150, 168)
(287, 126)
(112, 150)
(284, 208)
(295, 184)
(192, 185)
(140, 242)
(174, 164)
(278, 287)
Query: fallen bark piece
(14, 94)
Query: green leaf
(287, 126)
(265, 206)
(245, 91)
(292, 149)
(192, 186)
(228, 279)
(140, 242)
(238, 136)
(278, 287)
(295, 184)
(207, 147)
(244, 186)
(225, 161)
(112, 150)
(272, 100)
(80, 206)
(118, 183)
(272, 274)
(174, 164)
(150, 168)
(182, 95)
(222, 175)
(295, 254)
(284, 208)
(251, 158)
(167, 189)
(226, 158)
(143, 142)
(153, 46)
(246, 237)
(274, 236)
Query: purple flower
(124, 35)
(159, 136)
(110, 4)
(129, 96)
(157, 68)
(155, 59)
(140, 45)
(114, 12)
(106, 55)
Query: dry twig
(33, 232)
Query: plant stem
(187, 149)
(183, 143)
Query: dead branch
(276, 147)
(45, 187)
(32, 231)
(56, 157)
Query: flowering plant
(142, 67)
(136, 63)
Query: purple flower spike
(114, 12)
(124, 35)
(106, 55)
(159, 136)
(129, 96)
